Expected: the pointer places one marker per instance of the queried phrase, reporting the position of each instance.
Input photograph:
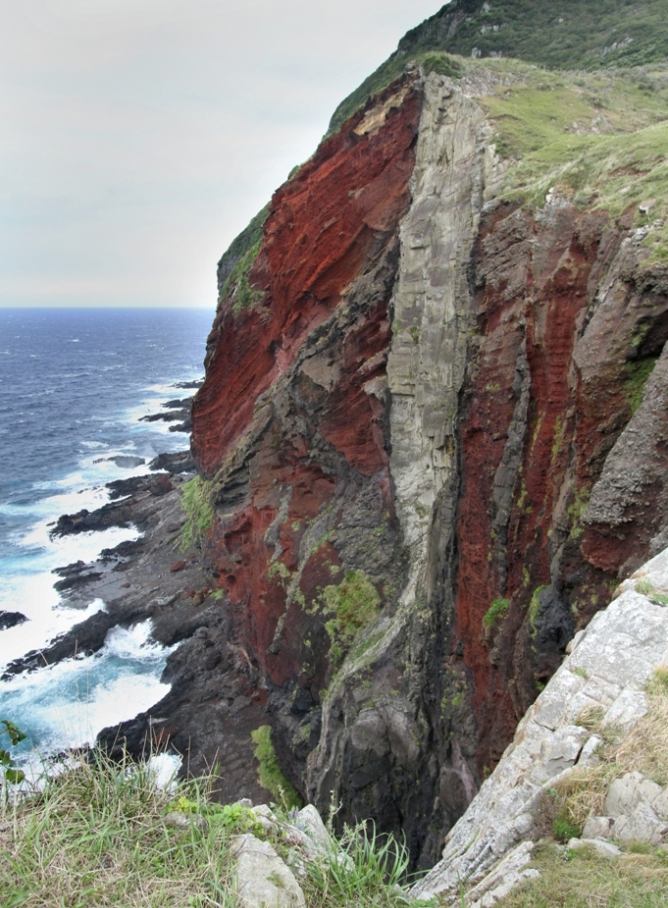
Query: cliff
(432, 433)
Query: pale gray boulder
(606, 849)
(263, 879)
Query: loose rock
(263, 880)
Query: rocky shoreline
(213, 703)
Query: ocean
(74, 384)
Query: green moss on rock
(270, 774)
(353, 604)
(636, 374)
(249, 237)
(496, 612)
(196, 502)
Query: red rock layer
(323, 229)
(319, 429)
(283, 466)
(536, 280)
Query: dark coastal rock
(161, 417)
(185, 426)
(173, 411)
(73, 575)
(126, 549)
(122, 510)
(110, 515)
(158, 484)
(11, 619)
(189, 385)
(83, 640)
(126, 461)
(180, 462)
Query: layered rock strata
(418, 432)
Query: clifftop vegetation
(597, 138)
(565, 34)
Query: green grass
(249, 237)
(636, 374)
(196, 502)
(237, 284)
(584, 879)
(534, 605)
(376, 865)
(599, 139)
(96, 836)
(99, 836)
(353, 604)
(529, 30)
(496, 612)
(270, 773)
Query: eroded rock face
(427, 409)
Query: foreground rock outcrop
(425, 441)
(605, 676)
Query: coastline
(207, 716)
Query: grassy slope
(600, 138)
(582, 878)
(100, 835)
(248, 239)
(531, 30)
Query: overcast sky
(138, 137)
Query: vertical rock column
(385, 749)
(431, 306)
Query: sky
(139, 137)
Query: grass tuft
(96, 836)
(370, 871)
(496, 612)
(196, 502)
(270, 773)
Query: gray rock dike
(608, 668)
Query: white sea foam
(164, 768)
(47, 619)
(26, 586)
(68, 704)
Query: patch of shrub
(270, 773)
(353, 604)
(196, 502)
(496, 612)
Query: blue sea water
(73, 386)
